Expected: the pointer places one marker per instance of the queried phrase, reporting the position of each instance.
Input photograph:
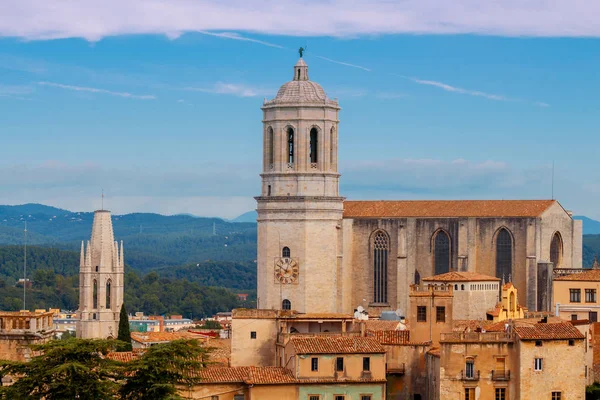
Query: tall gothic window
(286, 305)
(332, 147)
(290, 135)
(556, 249)
(441, 252)
(108, 293)
(380, 260)
(270, 146)
(95, 294)
(314, 143)
(285, 252)
(504, 255)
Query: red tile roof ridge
(335, 345)
(445, 208)
(592, 275)
(548, 331)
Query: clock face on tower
(286, 270)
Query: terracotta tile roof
(157, 337)
(375, 325)
(123, 356)
(220, 351)
(248, 375)
(548, 331)
(390, 337)
(460, 276)
(578, 322)
(270, 375)
(445, 208)
(592, 275)
(335, 345)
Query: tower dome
(301, 89)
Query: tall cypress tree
(124, 332)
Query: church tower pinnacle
(299, 209)
(100, 281)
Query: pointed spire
(115, 260)
(88, 254)
(121, 257)
(595, 265)
(82, 255)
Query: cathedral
(320, 253)
(101, 277)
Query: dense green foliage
(154, 374)
(211, 325)
(65, 369)
(78, 369)
(592, 392)
(591, 249)
(155, 295)
(149, 293)
(211, 273)
(124, 332)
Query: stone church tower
(300, 209)
(100, 281)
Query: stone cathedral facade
(100, 281)
(318, 252)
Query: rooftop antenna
(25, 268)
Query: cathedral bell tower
(100, 281)
(300, 209)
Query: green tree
(124, 332)
(64, 369)
(211, 325)
(153, 376)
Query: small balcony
(395, 368)
(469, 376)
(501, 375)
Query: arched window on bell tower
(290, 142)
(270, 148)
(314, 145)
(332, 148)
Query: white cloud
(455, 89)
(97, 90)
(237, 36)
(344, 63)
(235, 89)
(93, 20)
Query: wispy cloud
(450, 88)
(97, 90)
(237, 36)
(93, 20)
(234, 89)
(344, 63)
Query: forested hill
(151, 240)
(55, 280)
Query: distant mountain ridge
(152, 240)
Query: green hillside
(54, 276)
(151, 240)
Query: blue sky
(158, 103)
